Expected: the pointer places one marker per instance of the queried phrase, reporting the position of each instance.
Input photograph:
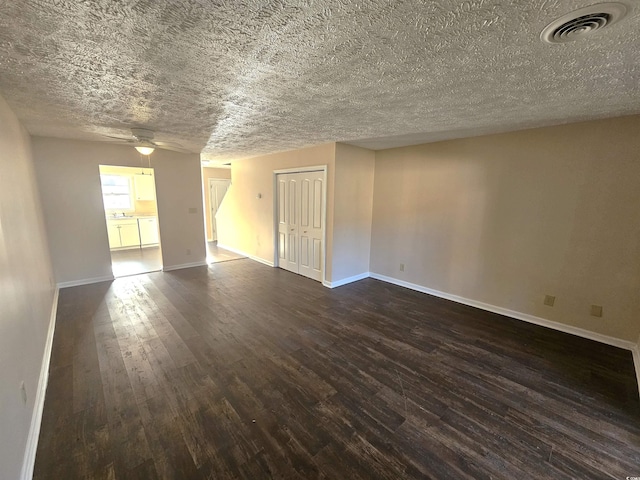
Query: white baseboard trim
(261, 260)
(580, 332)
(344, 281)
(245, 254)
(636, 361)
(86, 281)
(38, 407)
(170, 268)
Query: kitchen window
(117, 192)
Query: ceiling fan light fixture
(144, 150)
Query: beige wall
(245, 222)
(68, 176)
(353, 187)
(208, 173)
(506, 219)
(26, 290)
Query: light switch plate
(596, 310)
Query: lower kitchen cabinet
(132, 232)
(148, 231)
(113, 230)
(129, 234)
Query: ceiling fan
(142, 141)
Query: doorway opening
(216, 181)
(217, 190)
(131, 215)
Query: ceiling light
(144, 150)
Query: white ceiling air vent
(583, 21)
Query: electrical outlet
(402, 267)
(193, 210)
(188, 251)
(549, 300)
(23, 393)
(596, 310)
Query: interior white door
(310, 224)
(217, 189)
(288, 195)
(300, 222)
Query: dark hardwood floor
(216, 254)
(238, 370)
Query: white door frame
(211, 219)
(316, 168)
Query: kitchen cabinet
(148, 230)
(113, 231)
(129, 234)
(123, 233)
(145, 188)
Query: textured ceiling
(242, 78)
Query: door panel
(292, 217)
(312, 203)
(282, 201)
(292, 223)
(317, 255)
(288, 197)
(304, 251)
(304, 203)
(282, 241)
(318, 197)
(292, 247)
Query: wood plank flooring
(238, 370)
(216, 254)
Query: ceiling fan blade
(175, 147)
(145, 137)
(122, 139)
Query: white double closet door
(301, 199)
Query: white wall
(506, 219)
(69, 181)
(26, 290)
(353, 198)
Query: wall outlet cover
(549, 300)
(596, 310)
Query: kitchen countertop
(132, 217)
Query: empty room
(379, 239)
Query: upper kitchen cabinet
(144, 187)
